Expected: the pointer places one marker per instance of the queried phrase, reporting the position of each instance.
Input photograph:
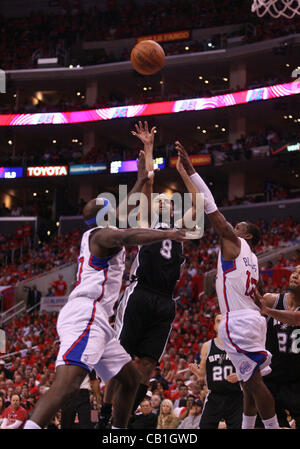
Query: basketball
(147, 57)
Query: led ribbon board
(11, 172)
(165, 107)
(83, 169)
(130, 166)
(196, 159)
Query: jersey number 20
(221, 372)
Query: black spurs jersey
(157, 266)
(218, 367)
(283, 341)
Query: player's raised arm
(143, 177)
(147, 138)
(221, 225)
(116, 238)
(191, 188)
(200, 370)
(266, 302)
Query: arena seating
(52, 35)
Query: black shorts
(146, 323)
(219, 407)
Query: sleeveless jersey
(236, 280)
(283, 341)
(98, 278)
(218, 367)
(157, 266)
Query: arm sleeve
(209, 202)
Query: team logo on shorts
(245, 366)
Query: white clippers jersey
(236, 280)
(98, 278)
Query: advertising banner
(196, 159)
(53, 303)
(166, 37)
(83, 169)
(48, 170)
(11, 172)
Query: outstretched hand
(179, 235)
(183, 159)
(142, 132)
(194, 368)
(260, 302)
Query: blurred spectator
(183, 394)
(193, 419)
(34, 297)
(155, 403)
(14, 416)
(146, 419)
(167, 418)
(2, 407)
(50, 292)
(5, 371)
(158, 376)
(60, 286)
(182, 412)
(79, 404)
(55, 423)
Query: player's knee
(70, 389)
(252, 384)
(147, 365)
(134, 379)
(129, 377)
(68, 381)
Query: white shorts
(88, 340)
(243, 334)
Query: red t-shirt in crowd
(14, 415)
(33, 390)
(60, 288)
(19, 233)
(27, 230)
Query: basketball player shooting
(242, 329)
(87, 341)
(147, 309)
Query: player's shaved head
(91, 209)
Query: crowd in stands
(72, 101)
(20, 259)
(43, 34)
(67, 102)
(221, 150)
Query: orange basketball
(147, 57)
